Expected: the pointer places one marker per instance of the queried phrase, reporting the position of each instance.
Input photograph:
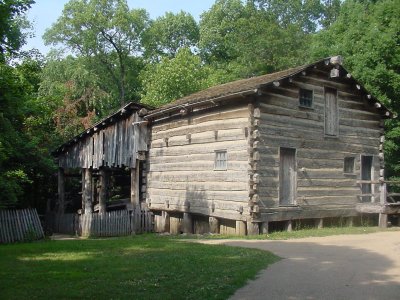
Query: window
(220, 160)
(348, 167)
(305, 98)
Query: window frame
(353, 165)
(300, 98)
(219, 168)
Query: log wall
(321, 182)
(181, 175)
(115, 145)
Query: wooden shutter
(331, 112)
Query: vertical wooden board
(8, 227)
(287, 176)
(17, 224)
(331, 112)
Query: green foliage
(169, 33)
(173, 78)
(141, 267)
(11, 25)
(306, 14)
(239, 40)
(367, 34)
(107, 33)
(74, 95)
(25, 136)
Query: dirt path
(337, 267)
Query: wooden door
(366, 174)
(287, 176)
(331, 112)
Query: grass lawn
(139, 267)
(298, 234)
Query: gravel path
(336, 267)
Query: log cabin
(300, 145)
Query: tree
(240, 40)
(305, 14)
(367, 34)
(173, 78)
(108, 34)
(11, 25)
(77, 97)
(169, 33)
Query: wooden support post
(264, 227)
(383, 220)
(289, 226)
(103, 194)
(240, 228)
(187, 223)
(87, 192)
(214, 225)
(166, 221)
(253, 228)
(61, 192)
(135, 188)
(319, 223)
(83, 190)
(350, 222)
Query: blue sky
(45, 12)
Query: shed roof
(107, 121)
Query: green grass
(298, 234)
(140, 267)
(314, 232)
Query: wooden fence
(114, 223)
(20, 225)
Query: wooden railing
(20, 225)
(384, 196)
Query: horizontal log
(199, 148)
(309, 192)
(311, 213)
(199, 176)
(195, 166)
(222, 113)
(217, 213)
(197, 195)
(237, 123)
(201, 138)
(292, 113)
(232, 156)
(200, 186)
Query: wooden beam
(103, 194)
(87, 192)
(214, 225)
(264, 228)
(319, 223)
(187, 223)
(253, 228)
(289, 226)
(240, 227)
(166, 221)
(135, 191)
(383, 220)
